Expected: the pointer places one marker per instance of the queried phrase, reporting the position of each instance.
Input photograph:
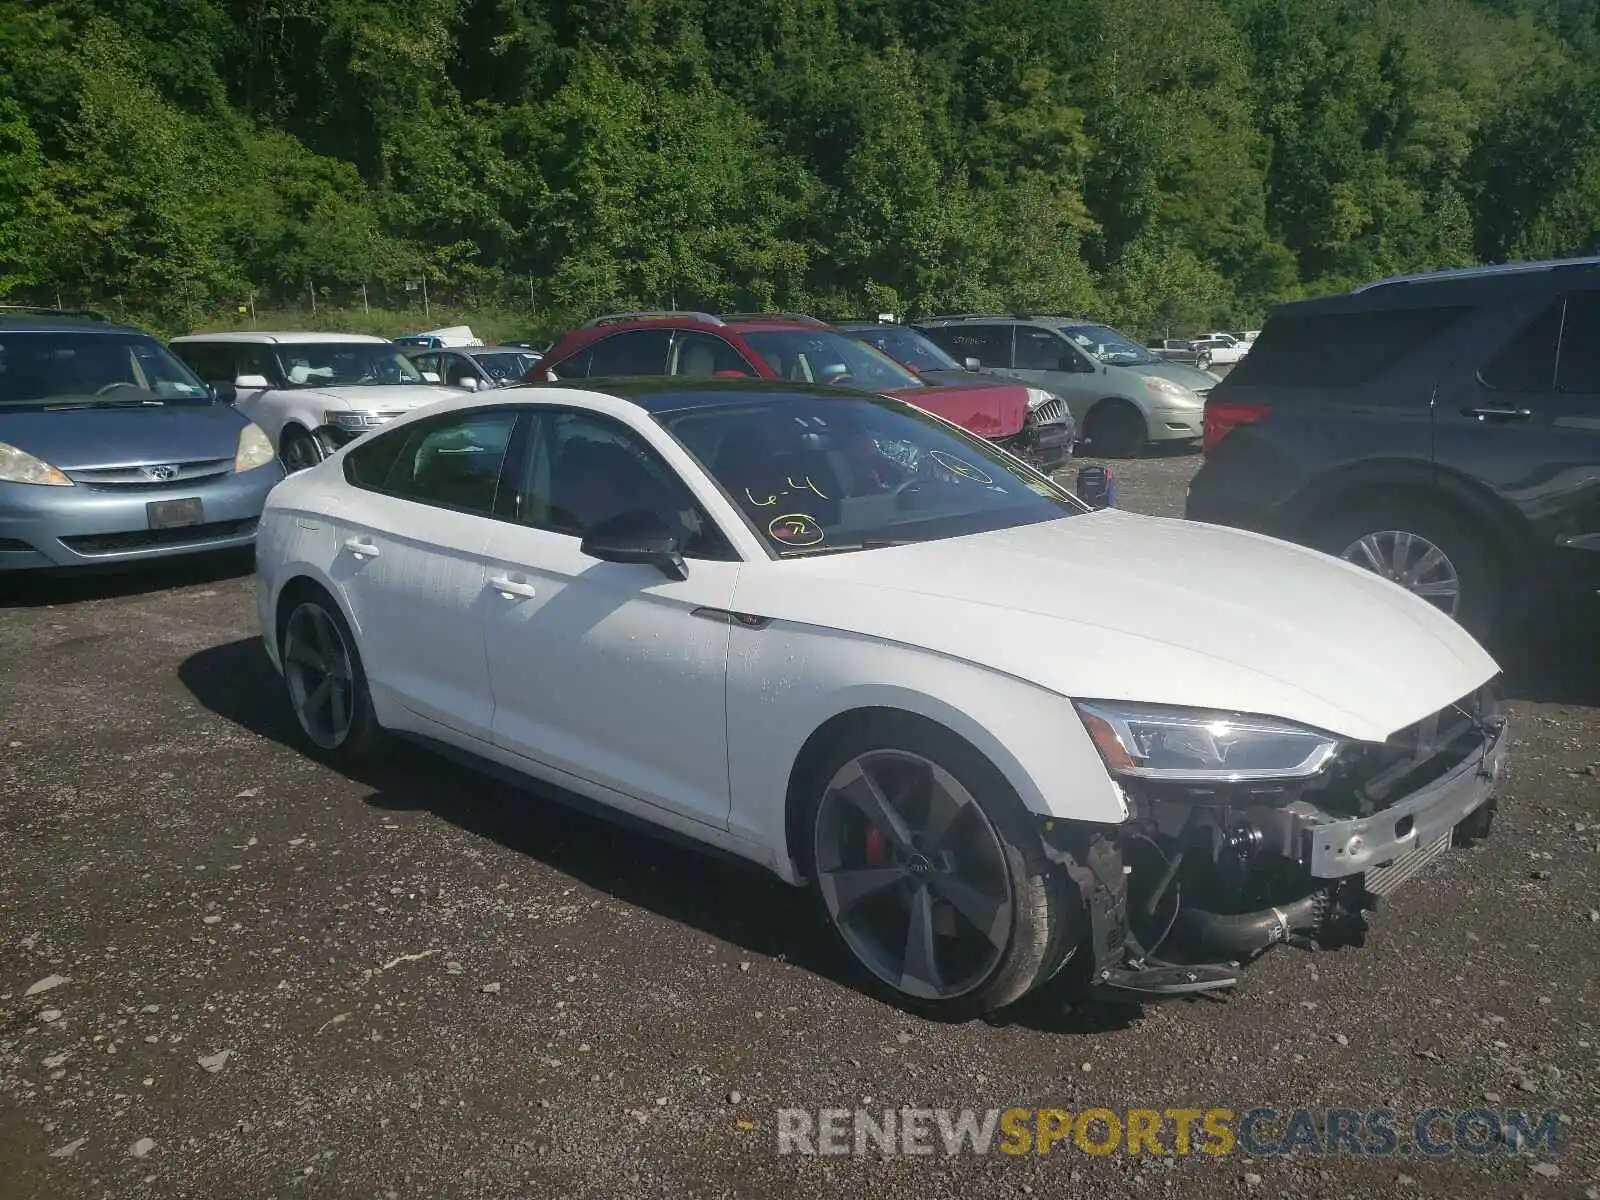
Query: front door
(611, 672)
(1045, 359)
(1523, 415)
(410, 560)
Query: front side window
(451, 462)
(94, 369)
(1044, 350)
(817, 474)
(989, 344)
(584, 468)
(1579, 370)
(702, 356)
(505, 367)
(1108, 346)
(823, 356)
(344, 364)
(457, 369)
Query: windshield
(905, 346)
(1109, 346)
(818, 475)
(101, 368)
(345, 364)
(822, 356)
(509, 367)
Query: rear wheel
(913, 848)
(1429, 550)
(1116, 429)
(327, 685)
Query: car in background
(1441, 430)
(435, 339)
(310, 392)
(1180, 350)
(994, 730)
(1122, 398)
(917, 353)
(473, 368)
(113, 452)
(1222, 349)
(801, 349)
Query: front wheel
(1116, 429)
(913, 849)
(300, 451)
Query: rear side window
(1334, 350)
(449, 462)
(1527, 363)
(989, 344)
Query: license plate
(169, 514)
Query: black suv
(1442, 430)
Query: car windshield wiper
(98, 402)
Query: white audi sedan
(998, 731)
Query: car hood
(80, 438)
(383, 398)
(1113, 606)
(964, 378)
(988, 408)
(1192, 378)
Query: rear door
(1522, 415)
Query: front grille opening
(143, 539)
(1369, 778)
(13, 544)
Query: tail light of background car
(1224, 416)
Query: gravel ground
(226, 970)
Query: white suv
(310, 392)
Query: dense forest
(1156, 162)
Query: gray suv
(1120, 395)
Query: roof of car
(1460, 286)
(28, 318)
(294, 337)
(701, 320)
(663, 394)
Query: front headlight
(353, 422)
(18, 466)
(255, 449)
(1169, 390)
(1154, 742)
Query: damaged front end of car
(1246, 832)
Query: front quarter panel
(787, 679)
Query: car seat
(697, 360)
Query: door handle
(361, 549)
(509, 587)
(1493, 412)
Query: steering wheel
(121, 383)
(905, 492)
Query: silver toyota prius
(112, 451)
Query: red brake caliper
(877, 847)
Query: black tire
(1470, 554)
(364, 736)
(1202, 361)
(1044, 926)
(299, 450)
(1116, 429)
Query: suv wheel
(300, 450)
(1431, 552)
(1115, 429)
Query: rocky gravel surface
(228, 970)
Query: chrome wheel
(1413, 562)
(300, 452)
(913, 875)
(317, 667)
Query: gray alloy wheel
(300, 451)
(320, 672)
(913, 875)
(1413, 562)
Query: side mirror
(640, 537)
(1096, 487)
(224, 392)
(430, 377)
(467, 383)
(972, 364)
(252, 383)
